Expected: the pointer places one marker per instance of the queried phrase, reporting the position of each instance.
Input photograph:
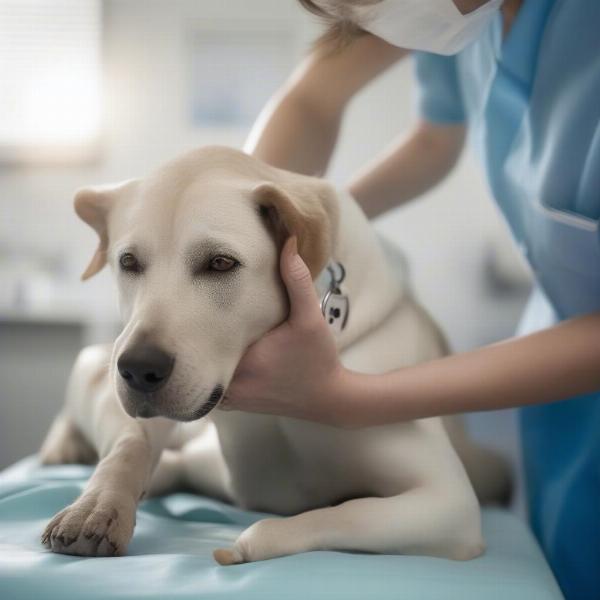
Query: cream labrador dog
(194, 248)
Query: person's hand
(294, 369)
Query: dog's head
(195, 249)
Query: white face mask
(430, 25)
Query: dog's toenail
(65, 541)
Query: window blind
(50, 75)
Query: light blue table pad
(170, 556)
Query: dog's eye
(128, 262)
(223, 263)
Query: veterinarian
(523, 76)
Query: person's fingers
(304, 302)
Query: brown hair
(341, 29)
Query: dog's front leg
(101, 521)
(421, 521)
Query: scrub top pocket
(564, 251)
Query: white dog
(195, 251)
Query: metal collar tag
(335, 305)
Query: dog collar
(335, 305)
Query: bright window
(49, 78)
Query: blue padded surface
(170, 556)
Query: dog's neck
(372, 285)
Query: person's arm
(299, 127)
(560, 362)
(295, 371)
(408, 168)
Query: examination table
(170, 556)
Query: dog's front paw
(94, 525)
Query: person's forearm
(298, 128)
(554, 364)
(409, 168)
(290, 134)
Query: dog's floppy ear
(308, 209)
(93, 205)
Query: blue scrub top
(532, 104)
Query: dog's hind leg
(65, 444)
(432, 521)
(488, 470)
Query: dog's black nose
(145, 368)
